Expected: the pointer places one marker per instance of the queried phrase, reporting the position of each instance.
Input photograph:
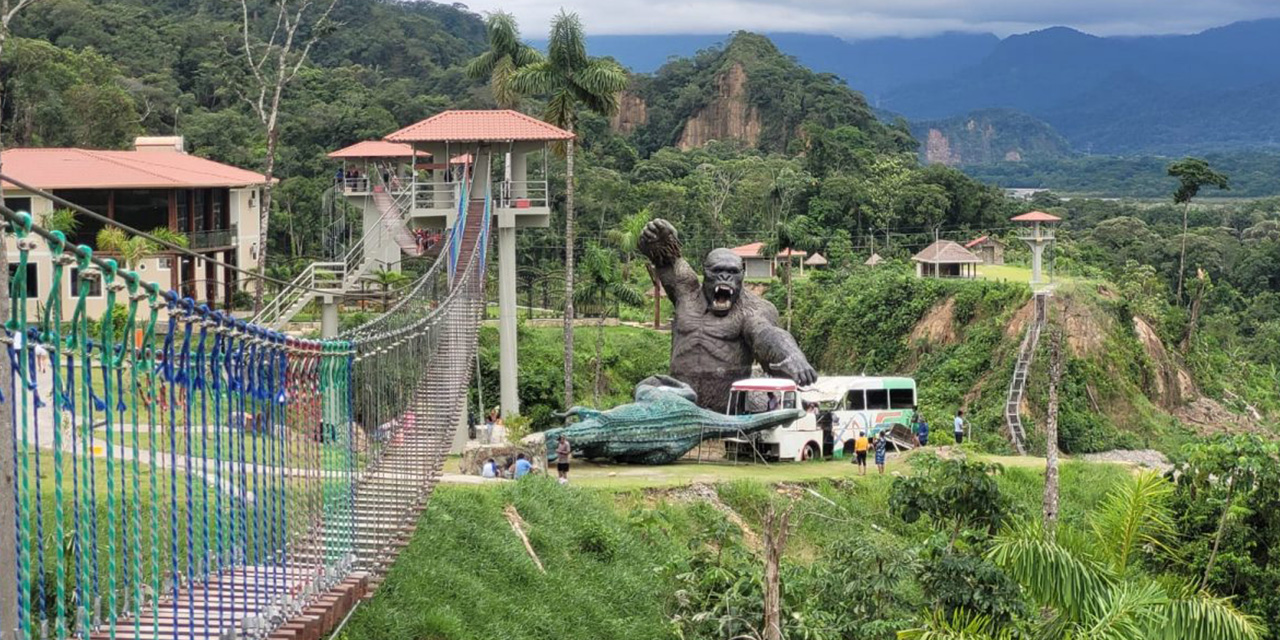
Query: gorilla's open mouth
(722, 297)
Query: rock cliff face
(983, 137)
(632, 113)
(729, 116)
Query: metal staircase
(345, 275)
(1018, 384)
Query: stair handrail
(299, 287)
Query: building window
(33, 283)
(165, 263)
(95, 285)
(18, 204)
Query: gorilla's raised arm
(774, 348)
(660, 244)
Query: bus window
(902, 398)
(789, 400)
(877, 399)
(853, 400)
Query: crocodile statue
(664, 423)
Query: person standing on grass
(880, 443)
(563, 453)
(860, 447)
(959, 426)
(921, 429)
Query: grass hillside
(636, 564)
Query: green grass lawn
(614, 546)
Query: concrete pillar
(459, 443)
(519, 176)
(507, 364)
(1037, 257)
(328, 317)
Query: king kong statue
(719, 329)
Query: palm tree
(790, 234)
(133, 250)
(1092, 584)
(388, 280)
(64, 220)
(603, 287)
(626, 237)
(570, 78)
(506, 54)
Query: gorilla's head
(722, 280)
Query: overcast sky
(869, 18)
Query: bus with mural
(836, 409)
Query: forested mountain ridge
(745, 91)
(987, 136)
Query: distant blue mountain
(1168, 94)
(871, 66)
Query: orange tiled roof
(377, 149)
(495, 125)
(749, 250)
(96, 169)
(1036, 216)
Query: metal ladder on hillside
(1018, 383)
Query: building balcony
(214, 239)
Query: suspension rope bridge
(204, 477)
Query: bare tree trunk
(788, 289)
(1217, 537)
(1182, 256)
(1051, 437)
(264, 218)
(1194, 321)
(599, 359)
(657, 296)
(776, 527)
(568, 272)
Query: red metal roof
(95, 169)
(377, 149)
(498, 125)
(975, 242)
(1036, 216)
(754, 250)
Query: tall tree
(626, 237)
(506, 54)
(603, 287)
(273, 63)
(571, 79)
(1192, 174)
(790, 234)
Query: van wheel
(810, 452)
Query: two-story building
(154, 185)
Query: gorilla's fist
(798, 369)
(659, 243)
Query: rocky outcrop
(987, 136)
(729, 116)
(937, 149)
(632, 113)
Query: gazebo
(946, 259)
(815, 261)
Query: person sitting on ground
(490, 469)
(522, 467)
(881, 444)
(921, 430)
(860, 447)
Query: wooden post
(776, 527)
(8, 479)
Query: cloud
(870, 18)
